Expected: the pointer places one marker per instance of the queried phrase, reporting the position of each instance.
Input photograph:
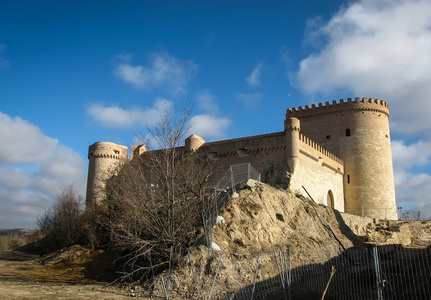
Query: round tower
(193, 142)
(292, 128)
(357, 131)
(104, 158)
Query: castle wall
(358, 132)
(266, 153)
(320, 173)
(340, 152)
(317, 169)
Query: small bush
(307, 209)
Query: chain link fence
(385, 272)
(411, 215)
(223, 191)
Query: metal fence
(411, 215)
(223, 191)
(386, 272)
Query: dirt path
(21, 277)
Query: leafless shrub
(64, 220)
(156, 200)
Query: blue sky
(76, 72)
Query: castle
(338, 153)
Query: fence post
(215, 276)
(232, 179)
(255, 276)
(280, 273)
(289, 277)
(195, 278)
(377, 271)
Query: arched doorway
(330, 199)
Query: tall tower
(358, 132)
(104, 158)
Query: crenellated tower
(357, 131)
(104, 158)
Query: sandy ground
(21, 277)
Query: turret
(104, 158)
(193, 142)
(292, 127)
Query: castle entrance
(330, 199)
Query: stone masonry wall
(319, 174)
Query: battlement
(105, 155)
(365, 104)
(257, 144)
(319, 148)
(107, 150)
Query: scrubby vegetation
(63, 223)
(154, 203)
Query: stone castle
(338, 153)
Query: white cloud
(206, 102)
(254, 77)
(208, 126)
(250, 99)
(4, 63)
(163, 71)
(33, 168)
(407, 156)
(380, 48)
(412, 190)
(117, 117)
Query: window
(347, 132)
(348, 178)
(328, 137)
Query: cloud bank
(33, 169)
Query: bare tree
(63, 221)
(156, 200)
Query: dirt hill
(264, 218)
